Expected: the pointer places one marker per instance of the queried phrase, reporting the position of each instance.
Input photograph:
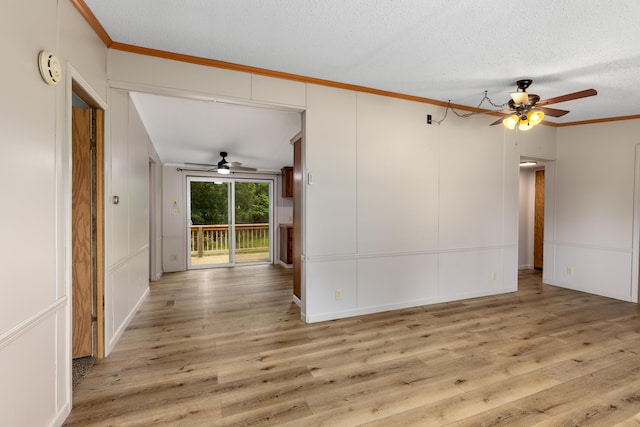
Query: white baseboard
(116, 336)
(285, 265)
(297, 301)
(321, 317)
(61, 416)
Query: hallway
(227, 347)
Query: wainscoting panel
(27, 369)
(601, 271)
(397, 279)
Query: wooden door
(538, 221)
(82, 234)
(297, 216)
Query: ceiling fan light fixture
(520, 97)
(535, 117)
(524, 125)
(511, 121)
(528, 163)
(223, 165)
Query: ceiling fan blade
(242, 168)
(568, 97)
(204, 165)
(553, 112)
(497, 122)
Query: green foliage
(209, 203)
(252, 203)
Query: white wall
(593, 232)
(129, 149)
(174, 211)
(35, 356)
(428, 213)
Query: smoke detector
(50, 69)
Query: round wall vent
(49, 67)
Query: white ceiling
(437, 49)
(195, 131)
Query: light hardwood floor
(227, 347)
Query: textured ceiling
(437, 49)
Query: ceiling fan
(527, 110)
(225, 167)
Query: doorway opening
(87, 231)
(230, 222)
(531, 215)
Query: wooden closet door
(82, 298)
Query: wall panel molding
(26, 325)
(351, 257)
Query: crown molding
(86, 13)
(93, 22)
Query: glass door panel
(209, 227)
(252, 224)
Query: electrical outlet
(174, 257)
(494, 275)
(570, 271)
(338, 294)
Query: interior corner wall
(593, 239)
(35, 305)
(174, 222)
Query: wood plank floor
(226, 347)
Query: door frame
(76, 84)
(548, 166)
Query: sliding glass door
(208, 229)
(229, 222)
(252, 226)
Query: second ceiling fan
(224, 167)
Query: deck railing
(214, 239)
